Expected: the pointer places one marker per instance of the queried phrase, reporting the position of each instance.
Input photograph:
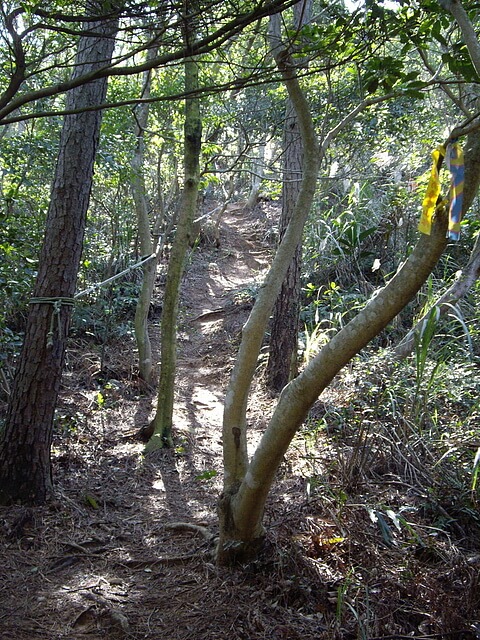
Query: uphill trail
(101, 561)
(217, 295)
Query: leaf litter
(347, 555)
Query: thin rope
(99, 285)
(57, 307)
(57, 302)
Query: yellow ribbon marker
(431, 196)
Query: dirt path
(100, 561)
(217, 293)
(90, 564)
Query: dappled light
(239, 339)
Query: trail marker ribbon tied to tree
(453, 155)
(456, 167)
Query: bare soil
(102, 560)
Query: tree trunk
(25, 467)
(234, 418)
(145, 364)
(247, 484)
(257, 168)
(161, 426)
(242, 507)
(284, 327)
(281, 365)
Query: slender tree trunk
(147, 247)
(284, 327)
(234, 418)
(25, 468)
(257, 167)
(281, 365)
(242, 508)
(161, 425)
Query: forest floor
(103, 561)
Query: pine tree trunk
(282, 358)
(25, 467)
(284, 329)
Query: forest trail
(217, 294)
(100, 560)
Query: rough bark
(284, 326)
(25, 468)
(161, 426)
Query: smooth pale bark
(161, 425)
(25, 467)
(245, 508)
(234, 419)
(454, 293)
(242, 510)
(455, 8)
(139, 192)
(257, 169)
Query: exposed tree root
(195, 528)
(183, 557)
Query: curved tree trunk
(236, 465)
(247, 484)
(234, 418)
(242, 508)
(25, 468)
(284, 327)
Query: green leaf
(207, 475)
(91, 502)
